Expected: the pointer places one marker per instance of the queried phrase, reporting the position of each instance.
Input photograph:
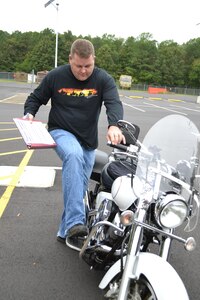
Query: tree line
(165, 64)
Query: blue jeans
(76, 170)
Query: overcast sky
(165, 19)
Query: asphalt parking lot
(34, 266)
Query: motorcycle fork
(165, 247)
(134, 246)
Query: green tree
(165, 64)
(104, 58)
(170, 64)
(64, 44)
(127, 58)
(147, 56)
(194, 74)
(107, 55)
(139, 57)
(42, 57)
(192, 53)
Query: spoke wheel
(138, 290)
(141, 290)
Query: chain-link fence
(173, 90)
(7, 75)
(22, 76)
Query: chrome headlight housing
(171, 211)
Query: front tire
(139, 289)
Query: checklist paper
(34, 134)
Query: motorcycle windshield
(172, 147)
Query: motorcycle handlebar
(118, 146)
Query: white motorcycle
(132, 219)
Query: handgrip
(118, 146)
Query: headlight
(171, 211)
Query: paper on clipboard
(34, 134)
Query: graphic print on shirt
(78, 92)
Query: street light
(56, 48)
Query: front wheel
(139, 289)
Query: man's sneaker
(61, 239)
(78, 230)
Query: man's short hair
(83, 48)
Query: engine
(104, 247)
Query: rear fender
(163, 278)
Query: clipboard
(34, 134)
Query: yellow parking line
(8, 129)
(137, 97)
(10, 139)
(3, 123)
(13, 152)
(152, 98)
(9, 190)
(175, 100)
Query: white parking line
(32, 176)
(164, 108)
(5, 99)
(142, 110)
(186, 108)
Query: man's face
(82, 68)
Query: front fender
(163, 278)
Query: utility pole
(56, 47)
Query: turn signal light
(127, 217)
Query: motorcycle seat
(101, 159)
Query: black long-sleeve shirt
(76, 105)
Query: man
(77, 91)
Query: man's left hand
(115, 136)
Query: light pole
(56, 48)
